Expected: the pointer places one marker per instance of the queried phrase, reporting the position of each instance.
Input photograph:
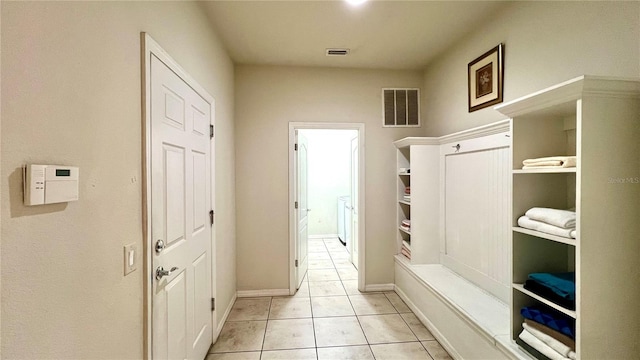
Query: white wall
(329, 165)
(546, 42)
(267, 99)
(71, 94)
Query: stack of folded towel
(547, 334)
(550, 221)
(559, 288)
(406, 249)
(407, 194)
(550, 162)
(406, 225)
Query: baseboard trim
(324, 236)
(225, 317)
(262, 293)
(379, 287)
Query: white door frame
(149, 47)
(359, 127)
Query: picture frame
(486, 79)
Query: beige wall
(545, 43)
(71, 95)
(267, 99)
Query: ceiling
(388, 34)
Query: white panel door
(354, 202)
(302, 211)
(180, 205)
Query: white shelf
(545, 171)
(546, 236)
(406, 244)
(551, 304)
(581, 117)
(417, 166)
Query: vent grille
(400, 107)
(337, 52)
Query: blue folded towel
(563, 284)
(551, 318)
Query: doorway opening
(326, 193)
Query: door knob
(160, 272)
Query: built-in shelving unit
(417, 168)
(404, 207)
(595, 119)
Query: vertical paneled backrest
(475, 197)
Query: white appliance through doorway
(357, 183)
(344, 221)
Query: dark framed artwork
(486, 79)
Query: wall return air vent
(337, 52)
(400, 107)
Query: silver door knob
(160, 272)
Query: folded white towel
(572, 234)
(527, 223)
(556, 163)
(543, 348)
(556, 345)
(552, 161)
(560, 218)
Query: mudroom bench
(469, 322)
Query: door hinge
(296, 263)
(296, 204)
(295, 147)
(211, 131)
(213, 304)
(211, 214)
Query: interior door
(180, 205)
(302, 210)
(354, 202)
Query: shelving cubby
(420, 155)
(403, 207)
(595, 119)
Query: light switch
(130, 255)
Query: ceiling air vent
(400, 107)
(337, 52)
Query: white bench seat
(468, 321)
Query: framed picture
(486, 79)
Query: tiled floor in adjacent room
(328, 318)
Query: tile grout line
(266, 326)
(358, 320)
(313, 324)
(314, 317)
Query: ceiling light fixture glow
(356, 2)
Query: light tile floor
(328, 318)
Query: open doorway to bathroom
(327, 203)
